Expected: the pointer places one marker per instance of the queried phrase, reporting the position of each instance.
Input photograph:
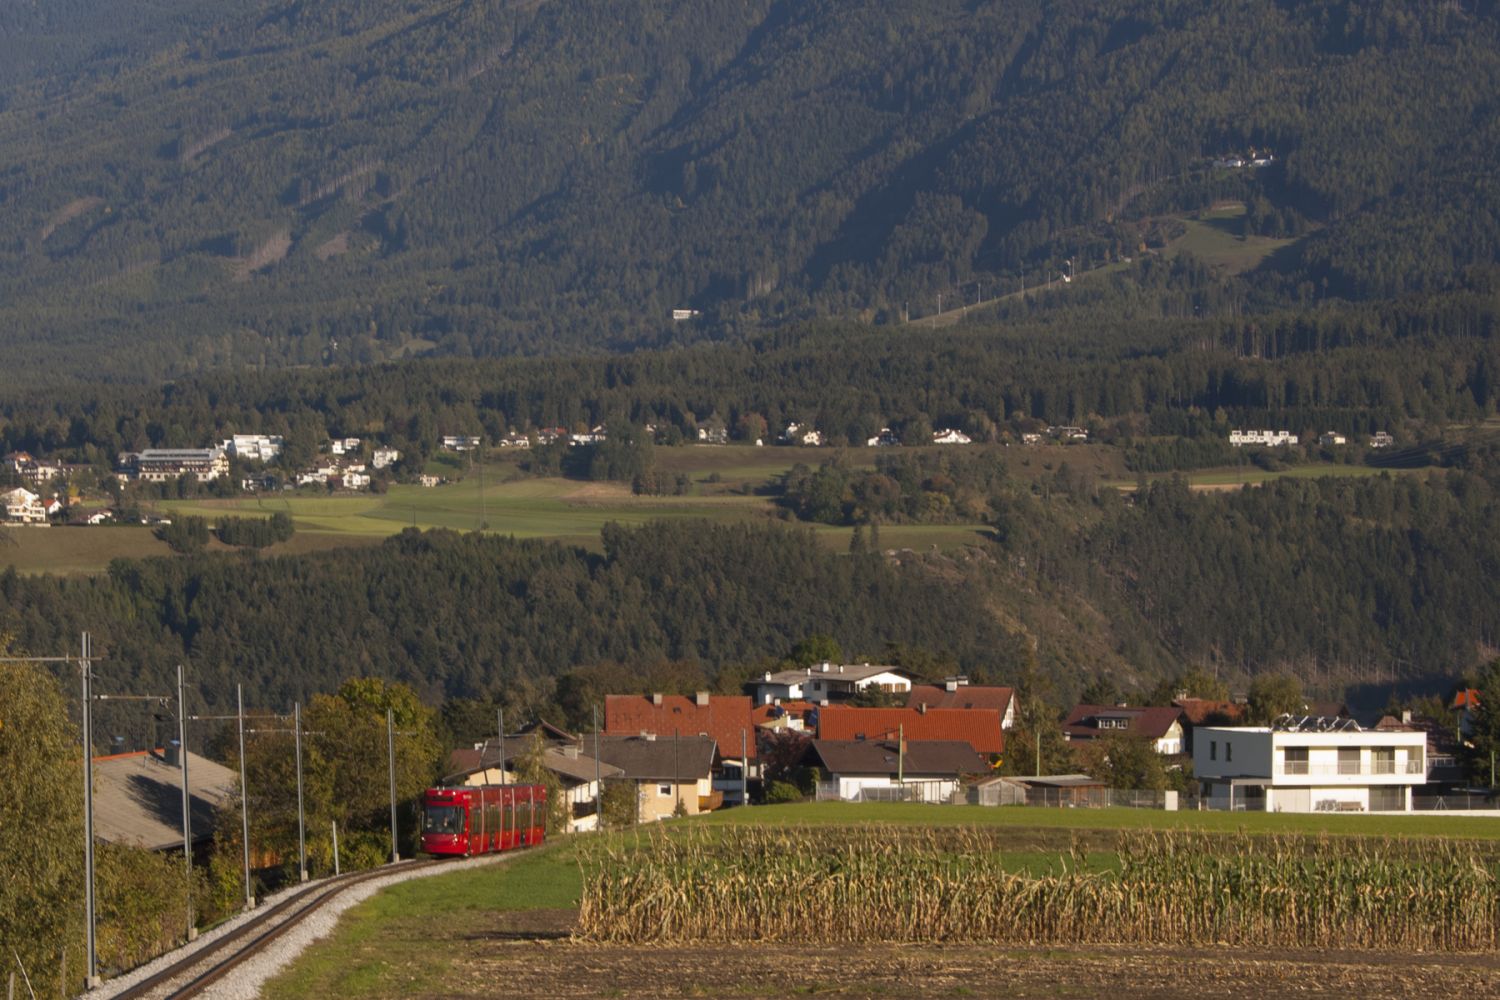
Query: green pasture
(527, 508)
(1214, 238)
(392, 943)
(70, 550)
(1251, 475)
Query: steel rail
(310, 902)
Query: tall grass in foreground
(864, 884)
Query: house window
(1382, 760)
(1228, 751)
(665, 791)
(1294, 760)
(1213, 749)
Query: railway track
(207, 965)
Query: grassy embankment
(385, 947)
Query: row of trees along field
(1430, 359)
(231, 185)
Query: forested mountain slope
(348, 180)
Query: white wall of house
(820, 687)
(1171, 741)
(850, 788)
(1310, 771)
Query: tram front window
(443, 819)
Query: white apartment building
(1269, 439)
(1309, 765)
(825, 682)
(157, 465)
(252, 447)
(24, 507)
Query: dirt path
(527, 954)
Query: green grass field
(1250, 475)
(1214, 238)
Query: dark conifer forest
(1157, 219)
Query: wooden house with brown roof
(1161, 725)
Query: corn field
(869, 884)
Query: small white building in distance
(1309, 765)
(24, 507)
(825, 682)
(1270, 439)
(1330, 438)
(950, 436)
(382, 457)
(252, 447)
(796, 433)
(1381, 439)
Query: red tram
(483, 819)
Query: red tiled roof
(1199, 710)
(1148, 721)
(724, 718)
(978, 727)
(964, 696)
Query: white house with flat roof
(1308, 765)
(825, 682)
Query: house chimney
(768, 675)
(841, 668)
(656, 699)
(169, 754)
(921, 708)
(950, 684)
(825, 666)
(701, 699)
(1406, 716)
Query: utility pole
(301, 815)
(676, 772)
(940, 303)
(1038, 751)
(900, 754)
(390, 745)
(744, 769)
(598, 780)
(335, 848)
(187, 803)
(87, 670)
(239, 695)
(500, 725)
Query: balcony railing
(1353, 768)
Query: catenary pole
(87, 670)
(500, 725)
(598, 781)
(239, 697)
(301, 813)
(187, 802)
(390, 744)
